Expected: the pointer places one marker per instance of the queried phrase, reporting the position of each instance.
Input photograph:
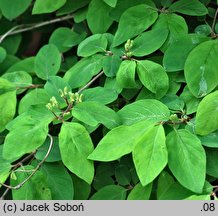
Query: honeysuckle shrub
(109, 99)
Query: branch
(32, 86)
(28, 27)
(213, 34)
(90, 82)
(34, 171)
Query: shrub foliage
(108, 99)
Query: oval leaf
(207, 114)
(115, 143)
(98, 8)
(138, 19)
(150, 109)
(140, 193)
(47, 6)
(47, 61)
(110, 192)
(177, 53)
(91, 45)
(58, 177)
(201, 68)
(187, 159)
(92, 113)
(75, 146)
(192, 8)
(13, 8)
(8, 102)
(148, 42)
(126, 74)
(65, 38)
(150, 154)
(85, 69)
(100, 94)
(153, 77)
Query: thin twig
(213, 24)
(4, 194)
(29, 27)
(34, 171)
(90, 82)
(32, 86)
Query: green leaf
(58, 177)
(203, 29)
(115, 143)
(168, 189)
(12, 44)
(85, 69)
(36, 188)
(165, 181)
(34, 97)
(207, 114)
(91, 45)
(123, 5)
(71, 6)
(103, 175)
(8, 102)
(111, 65)
(47, 6)
(122, 175)
(173, 102)
(210, 140)
(150, 154)
(191, 102)
(27, 132)
(177, 53)
(153, 77)
(126, 74)
(81, 188)
(8, 62)
(138, 19)
(93, 113)
(100, 94)
(140, 193)
(47, 61)
(110, 192)
(111, 3)
(20, 79)
(201, 68)
(148, 42)
(3, 54)
(54, 154)
(98, 8)
(212, 161)
(13, 8)
(191, 8)
(199, 197)
(184, 149)
(175, 24)
(52, 86)
(26, 65)
(4, 168)
(149, 109)
(75, 146)
(65, 38)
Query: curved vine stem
(213, 34)
(33, 171)
(23, 28)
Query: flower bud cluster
(53, 103)
(128, 45)
(68, 96)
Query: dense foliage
(108, 99)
